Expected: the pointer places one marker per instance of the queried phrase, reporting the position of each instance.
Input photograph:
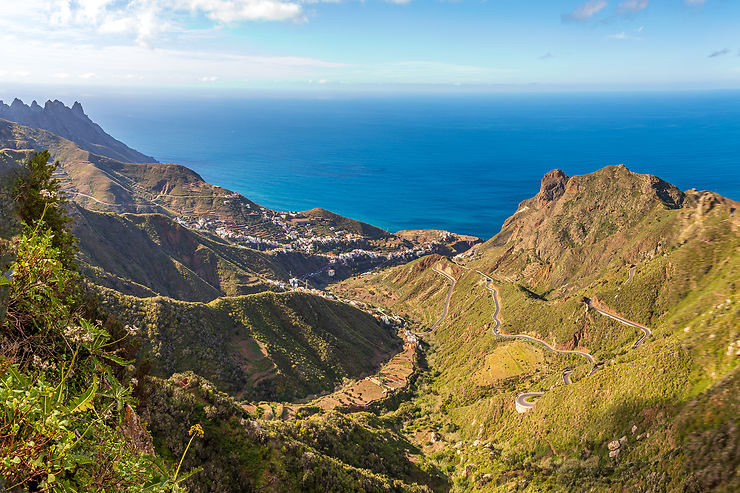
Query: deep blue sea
(455, 162)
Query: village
(286, 233)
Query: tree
(39, 199)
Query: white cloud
(142, 20)
(586, 11)
(634, 35)
(226, 11)
(632, 6)
(132, 65)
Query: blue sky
(353, 45)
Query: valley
(592, 344)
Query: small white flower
(132, 330)
(78, 334)
(41, 364)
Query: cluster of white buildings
(305, 241)
(413, 253)
(309, 243)
(200, 223)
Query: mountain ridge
(661, 415)
(642, 418)
(73, 124)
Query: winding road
(524, 401)
(645, 331)
(566, 377)
(445, 309)
(497, 324)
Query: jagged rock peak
(77, 109)
(56, 104)
(552, 186)
(72, 124)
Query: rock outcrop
(73, 124)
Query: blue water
(460, 163)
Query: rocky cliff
(73, 124)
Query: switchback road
(524, 401)
(446, 307)
(645, 331)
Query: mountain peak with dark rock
(72, 124)
(77, 109)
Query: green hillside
(149, 255)
(331, 452)
(263, 346)
(676, 389)
(414, 290)
(80, 416)
(658, 413)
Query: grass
(675, 390)
(506, 361)
(263, 346)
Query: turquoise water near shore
(455, 162)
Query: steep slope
(240, 452)
(653, 254)
(9, 224)
(107, 185)
(413, 290)
(639, 248)
(629, 216)
(12, 159)
(262, 346)
(72, 124)
(149, 254)
(316, 246)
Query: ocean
(456, 162)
